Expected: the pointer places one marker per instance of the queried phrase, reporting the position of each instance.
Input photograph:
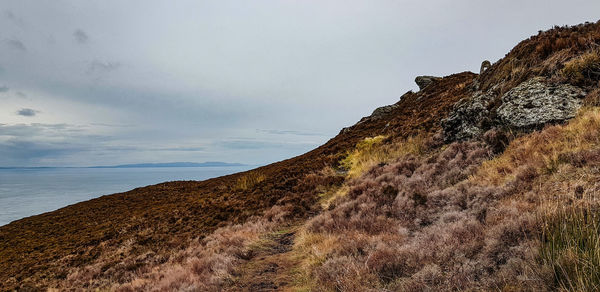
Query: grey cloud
(13, 18)
(155, 149)
(4, 89)
(16, 44)
(37, 129)
(205, 76)
(8, 14)
(36, 143)
(289, 132)
(21, 94)
(27, 112)
(170, 106)
(22, 152)
(247, 144)
(31, 144)
(80, 36)
(182, 149)
(111, 125)
(99, 67)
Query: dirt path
(271, 267)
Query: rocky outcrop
(484, 66)
(424, 81)
(530, 105)
(381, 112)
(535, 103)
(378, 113)
(468, 118)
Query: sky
(112, 82)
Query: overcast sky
(111, 82)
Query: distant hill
(173, 164)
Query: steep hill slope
(167, 216)
(326, 216)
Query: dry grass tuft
(249, 180)
(571, 246)
(377, 150)
(584, 69)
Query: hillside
(474, 182)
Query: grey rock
(534, 103)
(484, 66)
(530, 105)
(467, 117)
(424, 81)
(380, 112)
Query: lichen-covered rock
(424, 81)
(467, 118)
(534, 103)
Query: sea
(30, 191)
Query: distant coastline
(140, 165)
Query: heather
(461, 218)
(418, 223)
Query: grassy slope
(43, 250)
(39, 250)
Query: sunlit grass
(249, 180)
(373, 150)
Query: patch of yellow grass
(249, 180)
(372, 151)
(328, 197)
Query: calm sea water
(27, 192)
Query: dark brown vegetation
(470, 215)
